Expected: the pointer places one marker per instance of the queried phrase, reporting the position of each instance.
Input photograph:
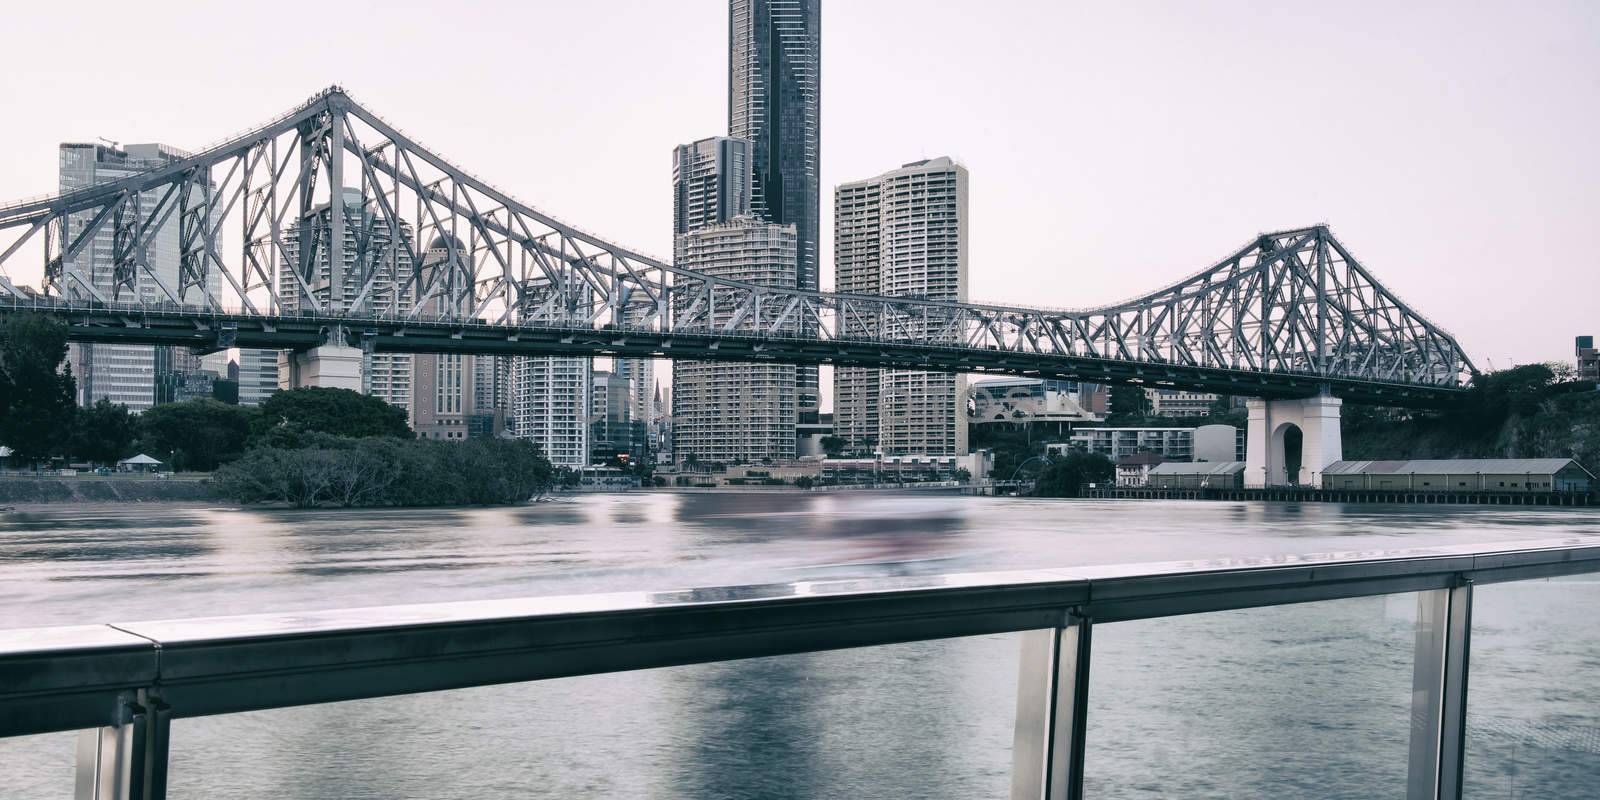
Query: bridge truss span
(430, 257)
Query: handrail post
(126, 760)
(1052, 712)
(1439, 693)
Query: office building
(903, 234)
(366, 246)
(1588, 359)
(491, 404)
(137, 376)
(442, 386)
(725, 412)
(613, 433)
(774, 90)
(258, 375)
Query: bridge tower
(332, 365)
(1273, 424)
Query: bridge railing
(123, 684)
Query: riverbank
(16, 490)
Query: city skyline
(1441, 154)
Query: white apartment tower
(128, 374)
(736, 413)
(903, 234)
(386, 376)
(550, 397)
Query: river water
(1302, 701)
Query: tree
(337, 411)
(1066, 475)
(103, 433)
(1128, 402)
(36, 395)
(833, 445)
(195, 434)
(804, 482)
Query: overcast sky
(1113, 147)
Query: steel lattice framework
(1288, 314)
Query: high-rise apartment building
(903, 234)
(550, 406)
(1588, 359)
(774, 91)
(711, 183)
(367, 238)
(550, 397)
(736, 413)
(137, 376)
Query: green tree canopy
(1066, 474)
(36, 394)
(194, 434)
(337, 411)
(103, 433)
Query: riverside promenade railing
(122, 684)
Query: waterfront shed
(1197, 475)
(1516, 475)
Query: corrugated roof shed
(1198, 468)
(1455, 466)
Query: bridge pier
(334, 365)
(1271, 421)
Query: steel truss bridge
(1289, 314)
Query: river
(1301, 701)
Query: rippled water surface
(1301, 701)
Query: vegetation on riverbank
(1531, 411)
(306, 447)
(387, 471)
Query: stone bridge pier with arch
(1272, 426)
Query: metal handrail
(54, 679)
(124, 683)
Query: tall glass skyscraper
(774, 86)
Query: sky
(1113, 148)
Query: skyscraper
(550, 394)
(132, 375)
(903, 234)
(774, 90)
(736, 413)
(443, 385)
(711, 182)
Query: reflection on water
(1302, 701)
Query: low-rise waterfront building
(908, 468)
(1205, 443)
(1197, 475)
(1134, 471)
(1500, 475)
(1177, 403)
(1173, 444)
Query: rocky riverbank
(30, 490)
